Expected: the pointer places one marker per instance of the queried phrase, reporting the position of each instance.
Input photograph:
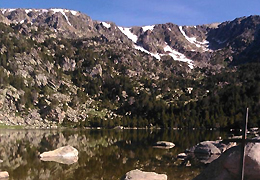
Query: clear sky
(149, 12)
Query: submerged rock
(4, 174)
(164, 144)
(65, 152)
(141, 175)
(227, 166)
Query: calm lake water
(103, 154)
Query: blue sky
(149, 12)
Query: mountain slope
(59, 67)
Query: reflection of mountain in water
(104, 154)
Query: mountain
(59, 66)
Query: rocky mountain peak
(190, 44)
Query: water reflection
(103, 154)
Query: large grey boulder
(207, 147)
(65, 155)
(4, 174)
(211, 147)
(227, 166)
(141, 175)
(208, 151)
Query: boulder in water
(62, 160)
(4, 174)
(65, 155)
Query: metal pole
(242, 163)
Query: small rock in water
(141, 175)
(164, 144)
(1, 161)
(182, 155)
(118, 127)
(188, 164)
(4, 174)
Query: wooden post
(243, 145)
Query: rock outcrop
(141, 175)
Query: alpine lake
(103, 154)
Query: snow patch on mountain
(146, 28)
(178, 56)
(73, 12)
(3, 11)
(193, 40)
(62, 11)
(11, 10)
(7, 10)
(157, 56)
(41, 11)
(28, 11)
(106, 25)
(129, 34)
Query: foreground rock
(164, 144)
(65, 155)
(141, 175)
(227, 166)
(4, 174)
